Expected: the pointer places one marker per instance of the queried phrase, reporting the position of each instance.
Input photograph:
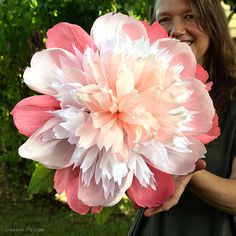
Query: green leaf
(41, 180)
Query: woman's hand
(180, 185)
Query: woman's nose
(177, 29)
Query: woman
(204, 203)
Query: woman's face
(177, 18)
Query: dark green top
(192, 216)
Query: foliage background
(23, 27)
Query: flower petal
(178, 159)
(31, 113)
(148, 197)
(47, 68)
(155, 31)
(202, 109)
(212, 134)
(181, 54)
(94, 195)
(68, 36)
(67, 180)
(42, 147)
(109, 25)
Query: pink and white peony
(123, 110)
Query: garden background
(35, 210)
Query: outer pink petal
(212, 134)
(203, 76)
(72, 198)
(147, 197)
(63, 177)
(68, 36)
(155, 31)
(31, 113)
(67, 179)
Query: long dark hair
(220, 60)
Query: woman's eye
(164, 20)
(189, 17)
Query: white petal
(47, 67)
(93, 195)
(142, 171)
(105, 27)
(44, 148)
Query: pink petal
(87, 134)
(201, 103)
(67, 180)
(201, 74)
(72, 199)
(111, 136)
(155, 31)
(212, 134)
(147, 197)
(69, 36)
(63, 177)
(31, 113)
(181, 55)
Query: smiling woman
(180, 23)
(204, 202)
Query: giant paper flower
(123, 110)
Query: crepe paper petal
(74, 203)
(72, 118)
(47, 68)
(213, 133)
(203, 112)
(69, 36)
(177, 159)
(182, 59)
(110, 25)
(42, 147)
(63, 177)
(155, 31)
(148, 197)
(203, 76)
(67, 180)
(108, 166)
(94, 195)
(32, 112)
